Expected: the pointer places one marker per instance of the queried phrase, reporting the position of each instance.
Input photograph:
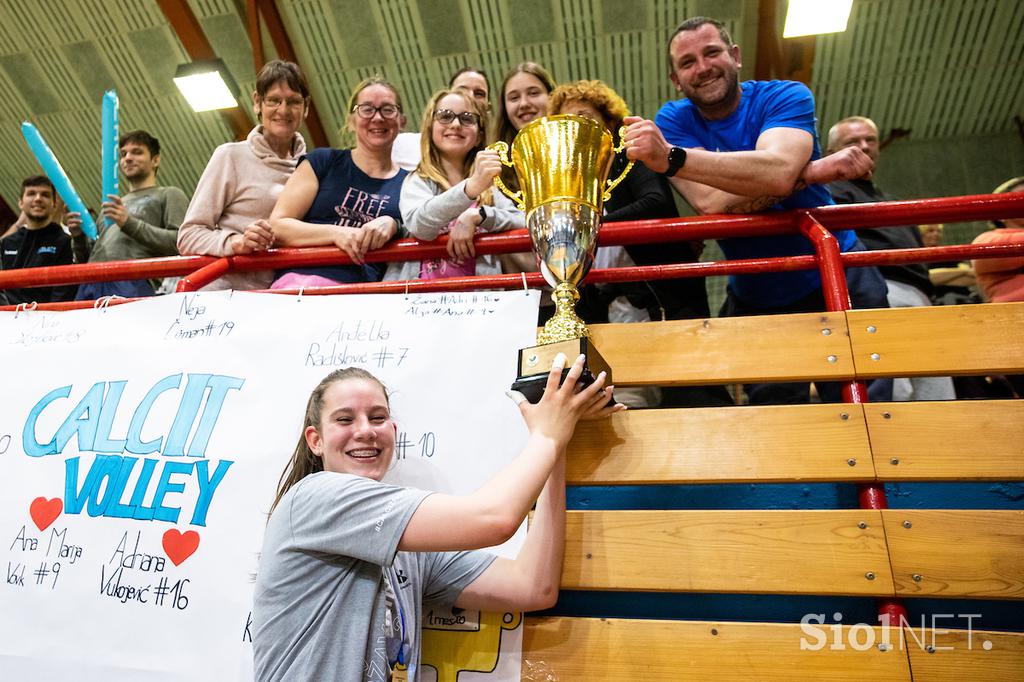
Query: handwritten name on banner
(141, 445)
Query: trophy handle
(629, 166)
(517, 197)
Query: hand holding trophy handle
(517, 197)
(622, 176)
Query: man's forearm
(708, 200)
(750, 174)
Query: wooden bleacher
(890, 553)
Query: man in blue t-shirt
(733, 147)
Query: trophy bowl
(562, 164)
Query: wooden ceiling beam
(786, 59)
(285, 49)
(769, 47)
(198, 48)
(252, 23)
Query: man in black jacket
(909, 285)
(38, 242)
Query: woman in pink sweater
(229, 212)
(1002, 279)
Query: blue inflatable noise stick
(110, 150)
(52, 169)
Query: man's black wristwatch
(676, 159)
(483, 214)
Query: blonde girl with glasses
(349, 197)
(450, 192)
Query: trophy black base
(535, 365)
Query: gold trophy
(562, 163)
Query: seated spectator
(451, 190)
(1002, 279)
(953, 282)
(230, 210)
(143, 224)
(37, 242)
(908, 285)
(642, 195)
(406, 150)
(931, 234)
(346, 197)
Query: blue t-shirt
(763, 105)
(348, 196)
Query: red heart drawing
(44, 511)
(180, 546)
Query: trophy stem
(565, 324)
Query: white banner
(141, 445)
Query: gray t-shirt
(151, 231)
(319, 605)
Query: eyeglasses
(291, 103)
(446, 117)
(369, 111)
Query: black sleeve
(64, 257)
(643, 195)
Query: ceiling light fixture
(207, 85)
(811, 17)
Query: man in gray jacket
(141, 224)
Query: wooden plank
(759, 552)
(940, 441)
(733, 444)
(614, 650)
(726, 350)
(939, 340)
(959, 655)
(957, 553)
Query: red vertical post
(837, 298)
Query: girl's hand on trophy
(486, 167)
(644, 142)
(460, 239)
(565, 402)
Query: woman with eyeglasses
(406, 151)
(450, 192)
(230, 210)
(350, 564)
(348, 197)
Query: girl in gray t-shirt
(349, 563)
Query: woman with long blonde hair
(450, 192)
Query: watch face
(676, 159)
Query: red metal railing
(199, 270)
